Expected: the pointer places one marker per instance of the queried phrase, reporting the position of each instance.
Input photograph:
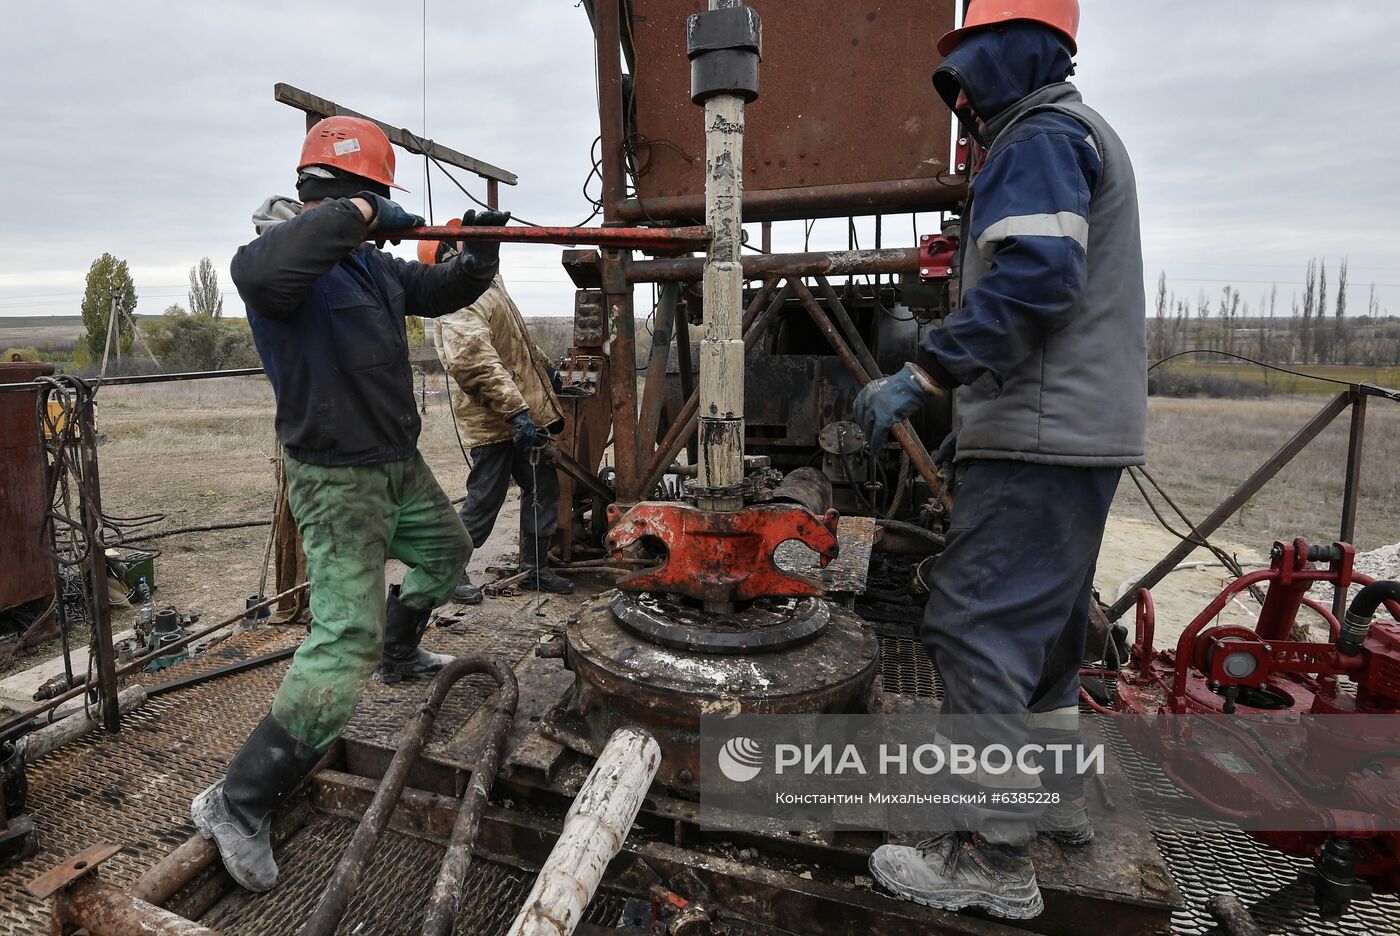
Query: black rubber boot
(534, 558)
(236, 812)
(403, 629)
(467, 592)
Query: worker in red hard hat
(1047, 359)
(504, 405)
(328, 312)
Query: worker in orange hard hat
(504, 396)
(1047, 360)
(328, 313)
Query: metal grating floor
(391, 897)
(135, 789)
(394, 891)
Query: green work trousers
(352, 519)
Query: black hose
(1356, 626)
(913, 529)
(210, 528)
(1369, 599)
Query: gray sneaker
(1067, 821)
(247, 856)
(957, 870)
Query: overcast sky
(1264, 132)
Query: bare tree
(1159, 335)
(1340, 343)
(1309, 303)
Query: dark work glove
(482, 257)
(525, 429)
(555, 380)
(883, 403)
(487, 218)
(388, 216)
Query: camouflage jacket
(496, 368)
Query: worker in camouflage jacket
(1047, 360)
(327, 312)
(502, 394)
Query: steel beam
(810, 201)
(1251, 485)
(641, 238)
(607, 31)
(1352, 491)
(318, 107)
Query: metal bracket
(724, 556)
(61, 876)
(937, 254)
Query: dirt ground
(201, 453)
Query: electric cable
(1381, 391)
(423, 146)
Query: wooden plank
(306, 101)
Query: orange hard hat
(350, 144)
(1060, 15)
(428, 249)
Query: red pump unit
(1271, 684)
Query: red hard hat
(428, 249)
(1060, 15)
(351, 144)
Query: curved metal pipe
(336, 897)
(442, 907)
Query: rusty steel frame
(919, 456)
(336, 896)
(761, 266)
(640, 238)
(789, 203)
(682, 429)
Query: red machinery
(1291, 753)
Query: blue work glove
(388, 216)
(555, 380)
(482, 256)
(883, 403)
(525, 429)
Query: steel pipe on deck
(102, 910)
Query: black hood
(999, 66)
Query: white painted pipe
(594, 831)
